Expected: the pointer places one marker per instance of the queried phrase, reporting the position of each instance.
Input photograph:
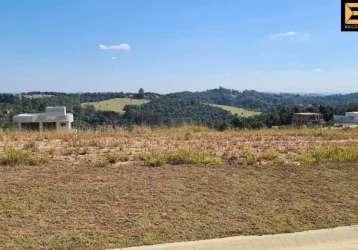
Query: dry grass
(18, 157)
(116, 104)
(63, 206)
(95, 192)
(236, 111)
(247, 146)
(179, 157)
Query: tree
(140, 94)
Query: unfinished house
(53, 118)
(350, 119)
(307, 119)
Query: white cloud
(115, 47)
(289, 35)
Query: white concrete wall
(352, 115)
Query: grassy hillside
(116, 104)
(236, 111)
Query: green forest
(180, 108)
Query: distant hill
(260, 101)
(169, 110)
(87, 96)
(247, 99)
(218, 108)
(116, 104)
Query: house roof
(52, 114)
(307, 113)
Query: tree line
(180, 108)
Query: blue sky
(165, 46)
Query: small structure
(52, 119)
(308, 119)
(349, 119)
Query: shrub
(13, 157)
(154, 159)
(112, 158)
(305, 159)
(250, 158)
(326, 154)
(101, 163)
(191, 157)
(107, 160)
(269, 155)
(179, 157)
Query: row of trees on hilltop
(265, 102)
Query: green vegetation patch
(236, 111)
(181, 156)
(116, 104)
(14, 157)
(101, 163)
(329, 154)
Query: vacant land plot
(97, 189)
(236, 111)
(116, 104)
